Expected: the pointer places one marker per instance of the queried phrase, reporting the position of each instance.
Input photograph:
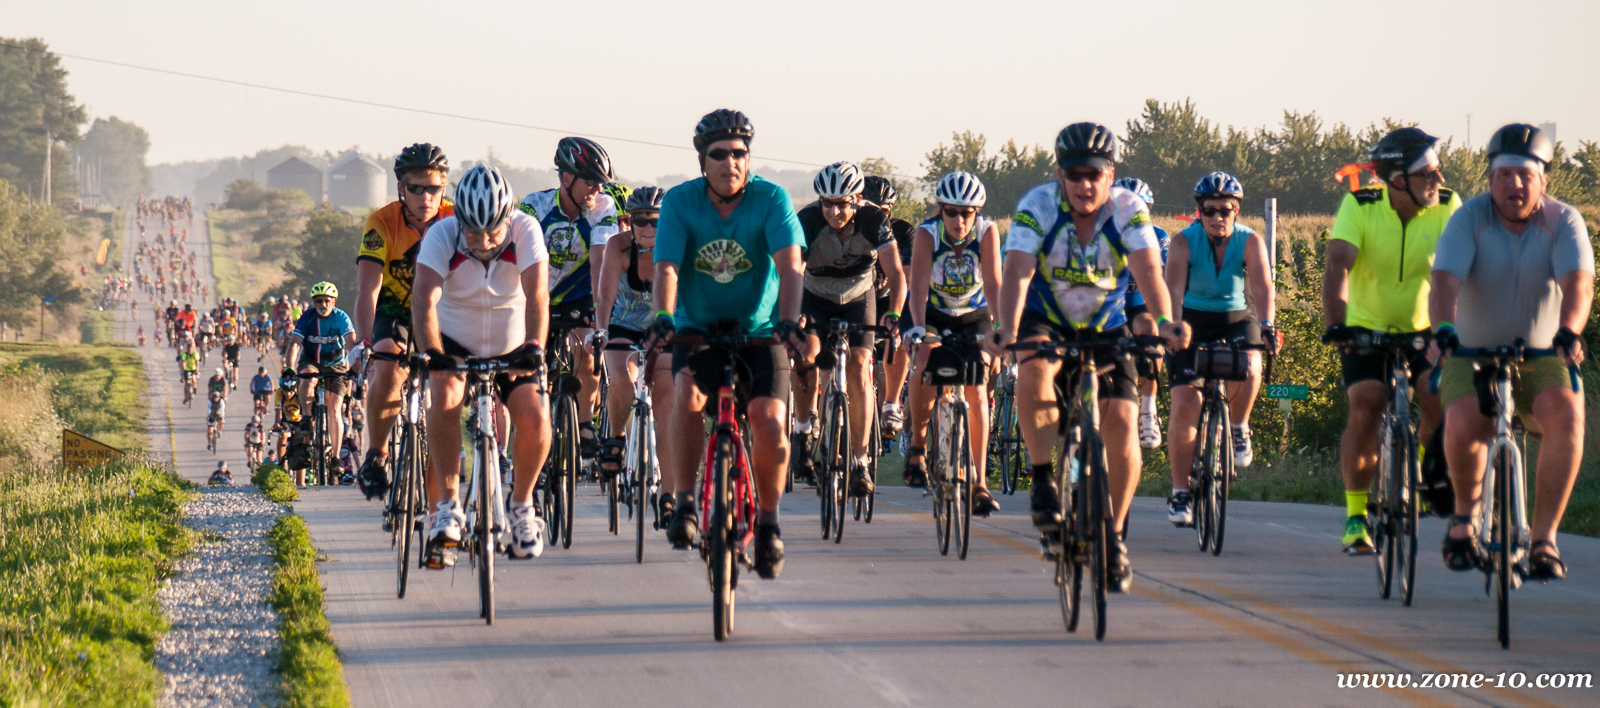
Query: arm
(426, 290)
(921, 272)
(605, 292)
(1258, 277)
(536, 313)
(369, 277)
(1017, 273)
(791, 265)
(664, 287)
(989, 261)
(889, 263)
(1177, 275)
(1146, 266)
(1341, 256)
(1444, 288)
(1577, 294)
(597, 258)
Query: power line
(390, 106)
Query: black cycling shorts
(503, 383)
(1374, 365)
(391, 327)
(573, 314)
(1121, 382)
(1210, 327)
(630, 334)
(763, 368)
(974, 322)
(337, 385)
(861, 311)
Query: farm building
(295, 173)
(357, 183)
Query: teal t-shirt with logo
(725, 266)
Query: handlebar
(1502, 356)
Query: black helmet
(585, 158)
(644, 198)
(420, 156)
(880, 191)
(1399, 151)
(1524, 140)
(722, 124)
(1086, 145)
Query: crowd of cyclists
(583, 289)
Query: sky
(821, 80)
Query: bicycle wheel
(1381, 509)
(1406, 536)
(569, 477)
(1099, 528)
(720, 556)
(1069, 571)
(870, 501)
(1221, 481)
(614, 504)
(961, 472)
(1500, 545)
(642, 466)
(402, 508)
(842, 461)
(483, 538)
(1200, 479)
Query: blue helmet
(1218, 185)
(1138, 187)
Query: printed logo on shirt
(723, 260)
(565, 246)
(960, 275)
(372, 241)
(1138, 219)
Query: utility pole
(1469, 131)
(47, 150)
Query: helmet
(271, 300)
(174, 303)
(222, 464)
(880, 191)
(483, 199)
(585, 158)
(1086, 145)
(325, 288)
(722, 124)
(255, 418)
(1522, 140)
(217, 373)
(645, 198)
(1218, 185)
(1138, 187)
(1400, 151)
(420, 156)
(618, 192)
(960, 189)
(840, 180)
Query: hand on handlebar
(997, 341)
(789, 332)
(1177, 335)
(1570, 346)
(1272, 338)
(1445, 341)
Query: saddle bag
(1222, 363)
(956, 365)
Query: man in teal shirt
(728, 255)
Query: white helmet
(840, 180)
(483, 199)
(960, 189)
(218, 374)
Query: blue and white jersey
(1077, 286)
(1136, 298)
(955, 283)
(569, 240)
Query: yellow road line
(1336, 629)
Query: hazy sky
(821, 80)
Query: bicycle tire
(1382, 524)
(1501, 546)
(822, 463)
(842, 461)
(1200, 480)
(614, 504)
(549, 495)
(721, 550)
(961, 481)
(1069, 572)
(569, 479)
(402, 507)
(870, 501)
(641, 479)
(483, 540)
(1407, 536)
(1221, 484)
(1098, 521)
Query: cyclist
(255, 438)
(1149, 421)
(387, 263)
(955, 281)
(261, 388)
(1379, 255)
(1074, 243)
(846, 240)
(1519, 265)
(481, 291)
(881, 192)
(577, 218)
(207, 336)
(220, 475)
(1208, 271)
(230, 347)
(728, 251)
(189, 361)
(218, 385)
(217, 389)
(319, 344)
(624, 313)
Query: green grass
(307, 660)
(95, 327)
(97, 389)
(79, 621)
(275, 483)
(224, 262)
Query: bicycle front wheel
(961, 474)
(402, 507)
(720, 534)
(841, 461)
(1501, 545)
(869, 502)
(1406, 538)
(642, 466)
(1221, 485)
(484, 540)
(1099, 525)
(1382, 522)
(566, 467)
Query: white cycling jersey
(483, 307)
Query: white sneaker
(447, 523)
(527, 532)
(1178, 509)
(892, 418)
(1149, 430)
(1243, 454)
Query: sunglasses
(1433, 175)
(1080, 175)
(1223, 212)
(720, 154)
(641, 223)
(956, 213)
(428, 189)
(838, 204)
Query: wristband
(1443, 325)
(1266, 323)
(895, 315)
(663, 313)
(1162, 319)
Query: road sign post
(79, 450)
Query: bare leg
(1118, 433)
(530, 413)
(444, 437)
(1181, 433)
(1560, 414)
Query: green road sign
(1294, 391)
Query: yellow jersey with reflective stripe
(1389, 279)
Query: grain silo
(355, 182)
(295, 173)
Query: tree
(31, 241)
(908, 207)
(118, 148)
(1170, 146)
(35, 110)
(1005, 177)
(326, 252)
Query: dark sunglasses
(838, 203)
(639, 223)
(428, 189)
(1091, 174)
(956, 213)
(1223, 212)
(721, 154)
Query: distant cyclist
(261, 388)
(1519, 265)
(319, 345)
(1379, 260)
(1149, 420)
(189, 363)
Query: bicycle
(255, 444)
(1211, 473)
(214, 422)
(1087, 527)
(320, 447)
(189, 386)
(1392, 508)
(953, 365)
(640, 473)
(833, 449)
(1008, 457)
(485, 496)
(561, 469)
(1502, 517)
(406, 504)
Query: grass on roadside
(97, 389)
(275, 483)
(307, 660)
(225, 263)
(79, 620)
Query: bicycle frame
(485, 458)
(1519, 534)
(744, 499)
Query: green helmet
(619, 193)
(325, 288)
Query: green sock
(1355, 503)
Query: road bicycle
(1392, 506)
(1008, 456)
(405, 509)
(214, 422)
(189, 386)
(640, 474)
(955, 363)
(833, 450)
(562, 467)
(1211, 472)
(1501, 520)
(323, 473)
(1081, 544)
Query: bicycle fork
(486, 470)
(1519, 533)
(742, 502)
